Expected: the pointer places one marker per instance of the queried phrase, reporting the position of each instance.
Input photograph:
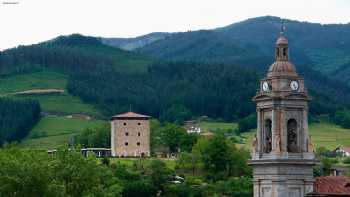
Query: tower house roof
(130, 115)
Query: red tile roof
(332, 185)
(346, 149)
(129, 115)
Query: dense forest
(324, 48)
(113, 79)
(17, 119)
(219, 91)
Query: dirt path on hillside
(35, 91)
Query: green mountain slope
(324, 48)
(204, 46)
(134, 43)
(41, 72)
(91, 78)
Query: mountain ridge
(323, 47)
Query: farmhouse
(343, 151)
(130, 135)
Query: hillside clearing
(37, 80)
(62, 104)
(53, 131)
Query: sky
(25, 22)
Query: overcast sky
(32, 21)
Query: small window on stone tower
(126, 134)
(268, 136)
(124, 123)
(126, 143)
(139, 134)
(138, 143)
(277, 52)
(138, 123)
(292, 136)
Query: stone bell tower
(282, 155)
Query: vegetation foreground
(212, 167)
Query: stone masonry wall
(130, 137)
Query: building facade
(130, 135)
(282, 152)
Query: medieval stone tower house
(282, 152)
(130, 135)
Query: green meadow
(37, 80)
(62, 104)
(323, 134)
(53, 131)
(213, 126)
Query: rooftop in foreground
(331, 186)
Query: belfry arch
(292, 136)
(268, 136)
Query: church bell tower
(282, 155)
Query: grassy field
(62, 104)
(53, 131)
(38, 80)
(54, 103)
(212, 126)
(323, 134)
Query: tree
(159, 173)
(220, 157)
(247, 123)
(189, 162)
(96, 137)
(217, 155)
(175, 137)
(32, 173)
(238, 186)
(142, 187)
(17, 118)
(176, 113)
(342, 118)
(171, 136)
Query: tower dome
(282, 66)
(282, 40)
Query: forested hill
(112, 79)
(71, 54)
(325, 48)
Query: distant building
(98, 152)
(342, 151)
(192, 126)
(130, 135)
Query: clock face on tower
(265, 86)
(294, 85)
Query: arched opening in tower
(284, 52)
(268, 136)
(292, 136)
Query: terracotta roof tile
(346, 149)
(332, 185)
(130, 115)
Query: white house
(343, 151)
